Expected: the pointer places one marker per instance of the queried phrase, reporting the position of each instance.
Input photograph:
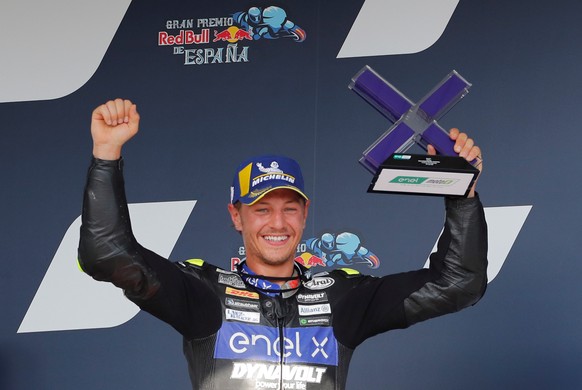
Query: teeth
(275, 238)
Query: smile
(276, 238)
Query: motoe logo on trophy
(187, 35)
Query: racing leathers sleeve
(456, 279)
(459, 265)
(108, 251)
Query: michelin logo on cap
(260, 175)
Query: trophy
(396, 171)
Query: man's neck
(283, 270)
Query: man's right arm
(108, 250)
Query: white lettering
(216, 55)
(314, 309)
(243, 316)
(272, 372)
(244, 341)
(215, 22)
(266, 340)
(239, 341)
(272, 176)
(178, 24)
(319, 283)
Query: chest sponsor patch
(310, 345)
(314, 310)
(242, 304)
(320, 283)
(315, 321)
(231, 280)
(241, 293)
(244, 316)
(312, 297)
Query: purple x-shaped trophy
(414, 124)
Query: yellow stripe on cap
(244, 179)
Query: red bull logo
(184, 37)
(309, 260)
(232, 34)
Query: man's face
(271, 228)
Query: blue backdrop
(207, 105)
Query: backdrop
(210, 95)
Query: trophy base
(419, 174)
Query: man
(271, 324)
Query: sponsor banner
(311, 345)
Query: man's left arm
(458, 268)
(457, 277)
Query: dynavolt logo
(266, 375)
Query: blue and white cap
(258, 176)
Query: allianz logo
(312, 310)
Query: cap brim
(255, 200)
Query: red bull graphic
(232, 34)
(242, 34)
(224, 35)
(309, 260)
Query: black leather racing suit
(236, 337)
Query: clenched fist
(112, 125)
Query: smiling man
(274, 213)
(270, 324)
